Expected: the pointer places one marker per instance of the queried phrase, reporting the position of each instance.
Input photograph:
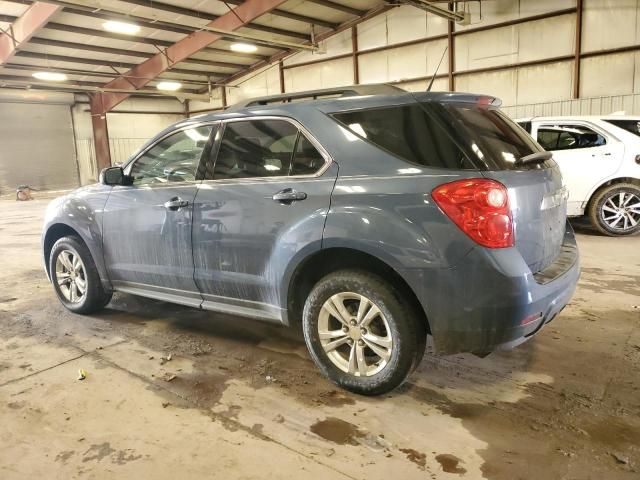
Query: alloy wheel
(621, 211)
(355, 334)
(71, 276)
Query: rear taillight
(480, 207)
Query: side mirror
(112, 176)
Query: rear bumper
(493, 300)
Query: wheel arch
(606, 184)
(54, 233)
(322, 262)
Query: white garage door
(36, 147)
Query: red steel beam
(142, 74)
(179, 51)
(32, 20)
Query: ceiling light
(50, 76)
(243, 47)
(171, 86)
(121, 27)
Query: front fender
(80, 211)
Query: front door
(264, 203)
(585, 155)
(147, 225)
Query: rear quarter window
(408, 132)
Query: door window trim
(328, 160)
(126, 168)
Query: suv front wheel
(361, 333)
(75, 277)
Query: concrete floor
(246, 401)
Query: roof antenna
(437, 68)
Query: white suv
(599, 157)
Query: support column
(451, 49)
(100, 132)
(281, 76)
(578, 50)
(354, 50)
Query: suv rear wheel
(361, 333)
(616, 210)
(75, 277)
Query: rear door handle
(288, 195)
(176, 203)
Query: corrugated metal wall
(36, 147)
(608, 82)
(629, 104)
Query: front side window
(568, 137)
(264, 148)
(173, 159)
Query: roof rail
(349, 91)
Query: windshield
(631, 126)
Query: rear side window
(264, 148)
(631, 126)
(408, 132)
(494, 138)
(258, 148)
(569, 137)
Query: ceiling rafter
(129, 53)
(325, 3)
(285, 53)
(61, 27)
(106, 63)
(97, 74)
(144, 22)
(27, 79)
(23, 28)
(209, 16)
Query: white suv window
(568, 137)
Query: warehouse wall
(36, 141)
(48, 141)
(529, 63)
(131, 124)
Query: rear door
(262, 203)
(147, 225)
(586, 155)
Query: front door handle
(176, 203)
(288, 195)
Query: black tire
(407, 331)
(604, 198)
(95, 296)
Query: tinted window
(306, 160)
(493, 138)
(526, 126)
(569, 137)
(408, 132)
(632, 126)
(173, 159)
(256, 148)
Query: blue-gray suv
(372, 216)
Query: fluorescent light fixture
(170, 86)
(50, 76)
(243, 47)
(121, 27)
